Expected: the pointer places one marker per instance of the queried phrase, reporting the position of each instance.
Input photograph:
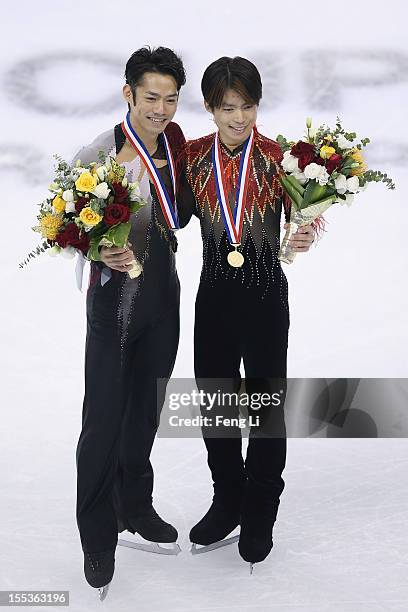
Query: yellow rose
(89, 217)
(59, 204)
(357, 156)
(326, 152)
(86, 182)
(49, 225)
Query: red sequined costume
(241, 314)
(263, 208)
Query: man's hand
(303, 239)
(117, 259)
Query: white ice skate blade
(152, 547)
(103, 591)
(214, 546)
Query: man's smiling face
(154, 104)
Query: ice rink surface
(341, 537)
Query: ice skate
(99, 568)
(161, 536)
(103, 591)
(211, 532)
(256, 537)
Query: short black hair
(235, 73)
(160, 59)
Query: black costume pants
(120, 419)
(233, 323)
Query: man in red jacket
(242, 311)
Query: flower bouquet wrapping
(324, 168)
(89, 207)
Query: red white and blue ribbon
(233, 222)
(168, 207)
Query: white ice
(341, 535)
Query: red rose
(121, 193)
(333, 162)
(70, 236)
(304, 152)
(80, 204)
(116, 213)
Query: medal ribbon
(169, 209)
(233, 222)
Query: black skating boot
(264, 465)
(99, 568)
(227, 468)
(220, 520)
(256, 536)
(217, 523)
(152, 527)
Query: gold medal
(235, 258)
(233, 221)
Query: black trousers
(120, 419)
(233, 324)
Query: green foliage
(116, 235)
(102, 156)
(315, 192)
(41, 248)
(293, 193)
(93, 251)
(375, 176)
(136, 205)
(285, 145)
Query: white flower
(136, 269)
(312, 132)
(54, 187)
(124, 182)
(323, 177)
(68, 195)
(289, 162)
(300, 177)
(53, 251)
(317, 172)
(349, 200)
(108, 164)
(340, 184)
(343, 143)
(80, 170)
(69, 252)
(101, 191)
(134, 191)
(313, 171)
(353, 184)
(101, 172)
(70, 207)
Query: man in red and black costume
(241, 310)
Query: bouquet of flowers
(89, 207)
(325, 167)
